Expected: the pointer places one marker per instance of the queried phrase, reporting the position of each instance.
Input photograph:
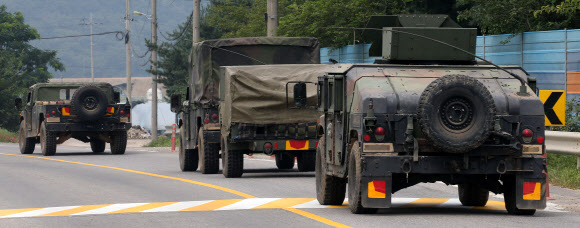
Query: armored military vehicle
(426, 112)
(199, 117)
(89, 112)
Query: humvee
(426, 112)
(88, 112)
(199, 122)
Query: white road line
(111, 208)
(451, 203)
(397, 202)
(311, 204)
(247, 204)
(178, 206)
(38, 212)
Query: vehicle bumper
(88, 127)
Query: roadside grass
(162, 142)
(563, 172)
(7, 136)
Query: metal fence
(558, 142)
(553, 57)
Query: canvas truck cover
(257, 94)
(208, 56)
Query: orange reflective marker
(532, 191)
(377, 189)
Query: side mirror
(175, 103)
(117, 97)
(18, 103)
(300, 95)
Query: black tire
(209, 160)
(89, 103)
(307, 161)
(26, 144)
(188, 158)
(330, 190)
(47, 141)
(118, 142)
(473, 195)
(456, 113)
(98, 146)
(509, 196)
(284, 160)
(354, 183)
(232, 161)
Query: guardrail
(559, 142)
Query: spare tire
(89, 103)
(456, 113)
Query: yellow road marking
(16, 211)
(317, 218)
(142, 208)
(493, 205)
(144, 173)
(312, 216)
(425, 201)
(344, 205)
(284, 203)
(210, 206)
(76, 210)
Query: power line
(94, 34)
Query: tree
(21, 64)
(516, 16)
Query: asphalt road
(145, 188)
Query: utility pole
(154, 68)
(128, 50)
(195, 18)
(92, 58)
(272, 17)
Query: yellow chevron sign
(554, 106)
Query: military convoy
(428, 112)
(251, 126)
(425, 112)
(88, 112)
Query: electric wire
(84, 35)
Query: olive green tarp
(257, 94)
(208, 56)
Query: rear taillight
(214, 116)
(122, 112)
(47, 115)
(206, 120)
(367, 138)
(527, 135)
(268, 146)
(380, 131)
(540, 139)
(54, 112)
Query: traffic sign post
(554, 106)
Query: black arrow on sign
(549, 107)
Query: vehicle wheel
(330, 190)
(354, 184)
(119, 142)
(208, 154)
(284, 160)
(472, 195)
(26, 144)
(232, 161)
(47, 141)
(188, 158)
(97, 145)
(456, 113)
(307, 161)
(510, 199)
(89, 103)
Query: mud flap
(376, 191)
(530, 193)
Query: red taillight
(367, 138)
(267, 146)
(47, 115)
(54, 112)
(527, 133)
(122, 112)
(275, 145)
(206, 120)
(380, 131)
(540, 139)
(214, 116)
(128, 114)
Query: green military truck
(254, 115)
(428, 112)
(200, 131)
(88, 112)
